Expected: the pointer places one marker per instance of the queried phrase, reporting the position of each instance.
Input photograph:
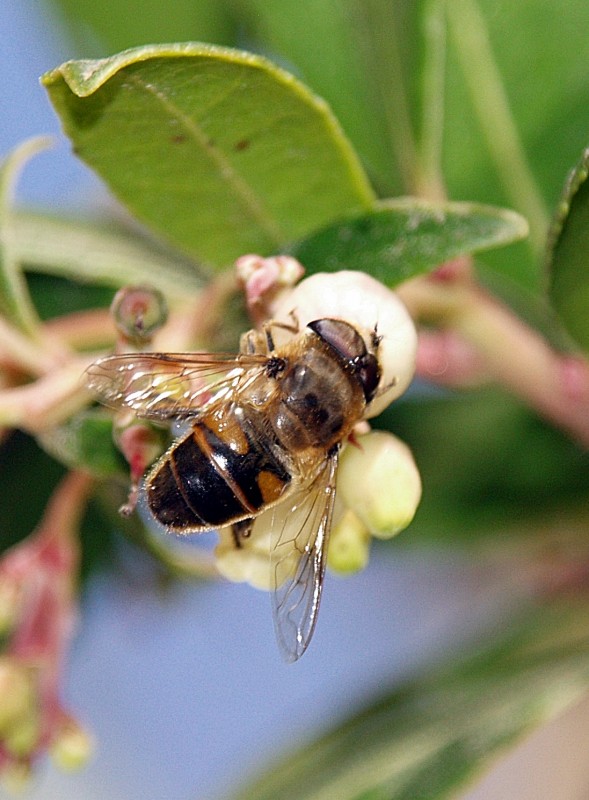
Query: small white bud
(379, 481)
(249, 561)
(365, 302)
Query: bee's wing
(161, 386)
(300, 535)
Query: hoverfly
(265, 429)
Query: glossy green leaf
(431, 737)
(101, 254)
(218, 150)
(403, 238)
(15, 303)
(568, 256)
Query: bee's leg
(253, 343)
(241, 530)
(292, 327)
(261, 343)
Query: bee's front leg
(257, 342)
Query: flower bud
(248, 559)
(379, 481)
(349, 545)
(138, 312)
(72, 746)
(246, 562)
(10, 596)
(369, 305)
(23, 736)
(17, 696)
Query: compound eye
(368, 371)
(341, 337)
(351, 348)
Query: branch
(505, 349)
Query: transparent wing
(165, 385)
(300, 532)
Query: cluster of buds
(37, 613)
(378, 483)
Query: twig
(511, 353)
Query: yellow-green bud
(17, 695)
(349, 545)
(9, 604)
(23, 736)
(380, 482)
(72, 747)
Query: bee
(265, 428)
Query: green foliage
(98, 254)
(85, 441)
(504, 487)
(15, 303)
(569, 255)
(186, 136)
(404, 238)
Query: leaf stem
(433, 100)
(382, 52)
(468, 29)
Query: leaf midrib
(242, 190)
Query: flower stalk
(38, 582)
(498, 346)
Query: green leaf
(218, 150)
(430, 737)
(568, 254)
(28, 476)
(403, 238)
(357, 56)
(102, 254)
(15, 303)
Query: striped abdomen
(218, 473)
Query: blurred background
(183, 686)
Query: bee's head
(350, 347)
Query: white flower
(363, 301)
